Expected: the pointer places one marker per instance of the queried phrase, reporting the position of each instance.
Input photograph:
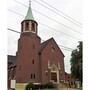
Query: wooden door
(54, 76)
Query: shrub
(30, 85)
(50, 85)
(37, 86)
(41, 86)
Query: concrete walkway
(68, 89)
(61, 89)
(57, 89)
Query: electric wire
(13, 30)
(49, 17)
(61, 12)
(41, 39)
(57, 13)
(59, 31)
(58, 22)
(47, 26)
(61, 46)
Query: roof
(29, 15)
(44, 44)
(67, 73)
(11, 61)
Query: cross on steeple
(29, 15)
(29, 2)
(29, 24)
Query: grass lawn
(81, 88)
(77, 88)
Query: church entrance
(54, 73)
(54, 76)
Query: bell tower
(29, 24)
(27, 54)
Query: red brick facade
(38, 62)
(71, 80)
(53, 57)
(27, 59)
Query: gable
(44, 44)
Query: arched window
(34, 76)
(52, 49)
(33, 27)
(33, 46)
(27, 26)
(71, 83)
(31, 76)
(32, 61)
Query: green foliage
(50, 85)
(76, 62)
(30, 85)
(41, 86)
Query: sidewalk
(68, 89)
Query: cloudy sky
(60, 19)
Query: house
(11, 69)
(70, 79)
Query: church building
(37, 62)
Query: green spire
(29, 15)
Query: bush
(41, 86)
(50, 85)
(30, 85)
(37, 86)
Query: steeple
(29, 15)
(29, 24)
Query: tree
(76, 62)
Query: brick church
(37, 62)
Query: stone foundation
(20, 86)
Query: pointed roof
(29, 15)
(44, 44)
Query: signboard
(13, 83)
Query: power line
(66, 47)
(16, 13)
(61, 12)
(57, 13)
(13, 30)
(62, 46)
(50, 18)
(47, 26)
(57, 22)
(59, 31)
(41, 39)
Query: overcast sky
(73, 34)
